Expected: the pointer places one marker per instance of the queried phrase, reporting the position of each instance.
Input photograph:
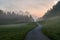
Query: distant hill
(55, 11)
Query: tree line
(55, 11)
(12, 18)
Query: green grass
(51, 28)
(15, 32)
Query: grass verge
(51, 28)
(15, 33)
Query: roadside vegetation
(15, 31)
(15, 25)
(51, 27)
(51, 22)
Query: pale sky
(36, 7)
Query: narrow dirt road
(36, 34)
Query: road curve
(36, 34)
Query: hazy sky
(35, 7)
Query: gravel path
(36, 34)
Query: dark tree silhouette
(12, 18)
(55, 11)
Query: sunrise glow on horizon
(37, 8)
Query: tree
(1, 12)
(55, 11)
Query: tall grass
(51, 28)
(16, 33)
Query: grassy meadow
(15, 31)
(51, 27)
